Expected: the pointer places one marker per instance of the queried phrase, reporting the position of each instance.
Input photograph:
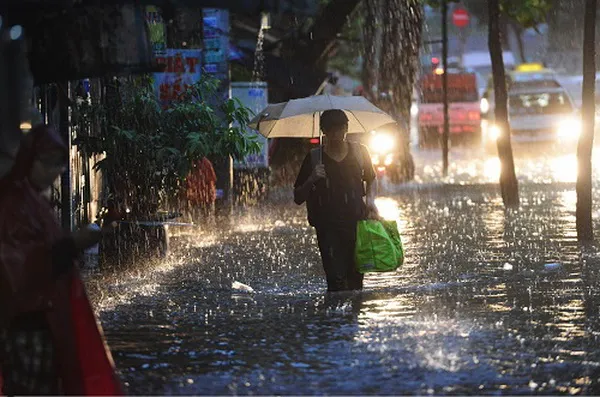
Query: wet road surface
(488, 302)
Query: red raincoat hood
(41, 139)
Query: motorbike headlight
(569, 129)
(388, 160)
(25, 126)
(381, 143)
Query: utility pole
(446, 132)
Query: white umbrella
(299, 118)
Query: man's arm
(372, 186)
(307, 178)
(302, 192)
(372, 211)
(372, 190)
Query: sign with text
(182, 69)
(215, 29)
(156, 27)
(255, 97)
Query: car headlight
(381, 143)
(414, 109)
(375, 159)
(494, 132)
(484, 105)
(569, 129)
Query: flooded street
(128, 128)
(488, 301)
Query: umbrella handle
(320, 147)
(316, 125)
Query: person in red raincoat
(46, 322)
(201, 187)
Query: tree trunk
(508, 180)
(585, 230)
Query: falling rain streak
(488, 301)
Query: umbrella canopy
(299, 118)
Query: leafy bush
(148, 150)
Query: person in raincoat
(334, 192)
(40, 286)
(201, 187)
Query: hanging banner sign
(182, 69)
(156, 26)
(215, 38)
(254, 96)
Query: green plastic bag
(378, 246)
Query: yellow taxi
(540, 108)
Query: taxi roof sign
(529, 67)
(529, 77)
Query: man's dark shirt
(337, 200)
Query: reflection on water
(491, 169)
(569, 199)
(472, 165)
(388, 208)
(564, 168)
(474, 310)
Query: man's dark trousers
(337, 244)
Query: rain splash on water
(488, 301)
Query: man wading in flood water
(333, 192)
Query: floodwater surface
(489, 301)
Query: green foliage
(150, 150)
(527, 13)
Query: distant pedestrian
(338, 193)
(201, 188)
(38, 353)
